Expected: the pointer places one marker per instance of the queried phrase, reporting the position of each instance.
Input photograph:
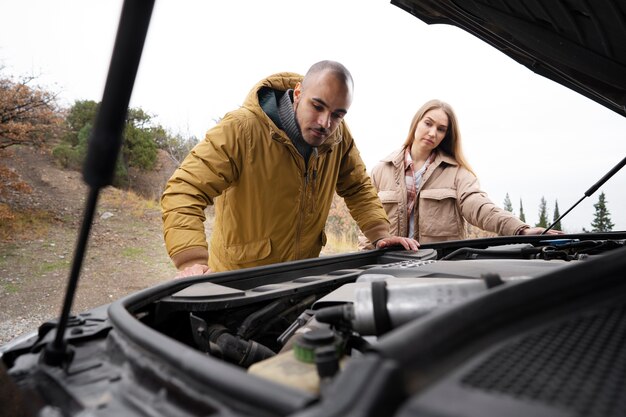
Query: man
(271, 169)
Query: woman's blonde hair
(451, 143)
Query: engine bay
(299, 330)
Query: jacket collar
(442, 157)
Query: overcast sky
(523, 135)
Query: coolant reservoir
(297, 367)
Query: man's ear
(297, 91)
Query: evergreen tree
(82, 113)
(556, 215)
(522, 216)
(602, 218)
(543, 215)
(139, 148)
(507, 203)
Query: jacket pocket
(438, 213)
(249, 252)
(388, 197)
(391, 203)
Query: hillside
(41, 208)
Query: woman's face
(431, 129)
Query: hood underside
(577, 43)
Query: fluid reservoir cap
(306, 343)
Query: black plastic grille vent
(579, 364)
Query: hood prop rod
(104, 145)
(590, 191)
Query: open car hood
(579, 44)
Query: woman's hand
(538, 231)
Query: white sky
(523, 134)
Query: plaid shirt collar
(409, 176)
(412, 178)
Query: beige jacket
(448, 196)
(268, 209)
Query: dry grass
(128, 201)
(339, 243)
(19, 224)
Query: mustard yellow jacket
(267, 208)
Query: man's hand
(407, 243)
(196, 269)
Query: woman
(429, 190)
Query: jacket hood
(284, 81)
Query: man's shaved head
(333, 67)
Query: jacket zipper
(313, 164)
(301, 212)
(308, 198)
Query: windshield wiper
(590, 191)
(104, 146)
